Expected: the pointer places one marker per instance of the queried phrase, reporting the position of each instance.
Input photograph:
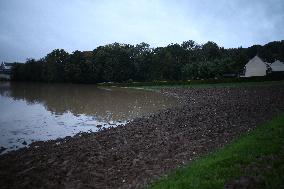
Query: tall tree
(54, 65)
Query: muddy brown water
(34, 112)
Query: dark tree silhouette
(123, 62)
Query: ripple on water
(33, 112)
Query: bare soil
(145, 149)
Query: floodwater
(38, 112)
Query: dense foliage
(123, 62)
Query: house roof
(256, 58)
(256, 61)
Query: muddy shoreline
(133, 155)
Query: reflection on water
(34, 111)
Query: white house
(255, 67)
(6, 66)
(5, 70)
(277, 66)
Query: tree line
(124, 62)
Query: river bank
(133, 155)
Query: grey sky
(33, 28)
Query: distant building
(5, 66)
(5, 70)
(230, 75)
(277, 66)
(256, 67)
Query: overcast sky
(33, 28)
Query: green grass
(261, 149)
(241, 84)
(236, 82)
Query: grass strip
(257, 155)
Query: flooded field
(33, 112)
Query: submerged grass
(258, 154)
